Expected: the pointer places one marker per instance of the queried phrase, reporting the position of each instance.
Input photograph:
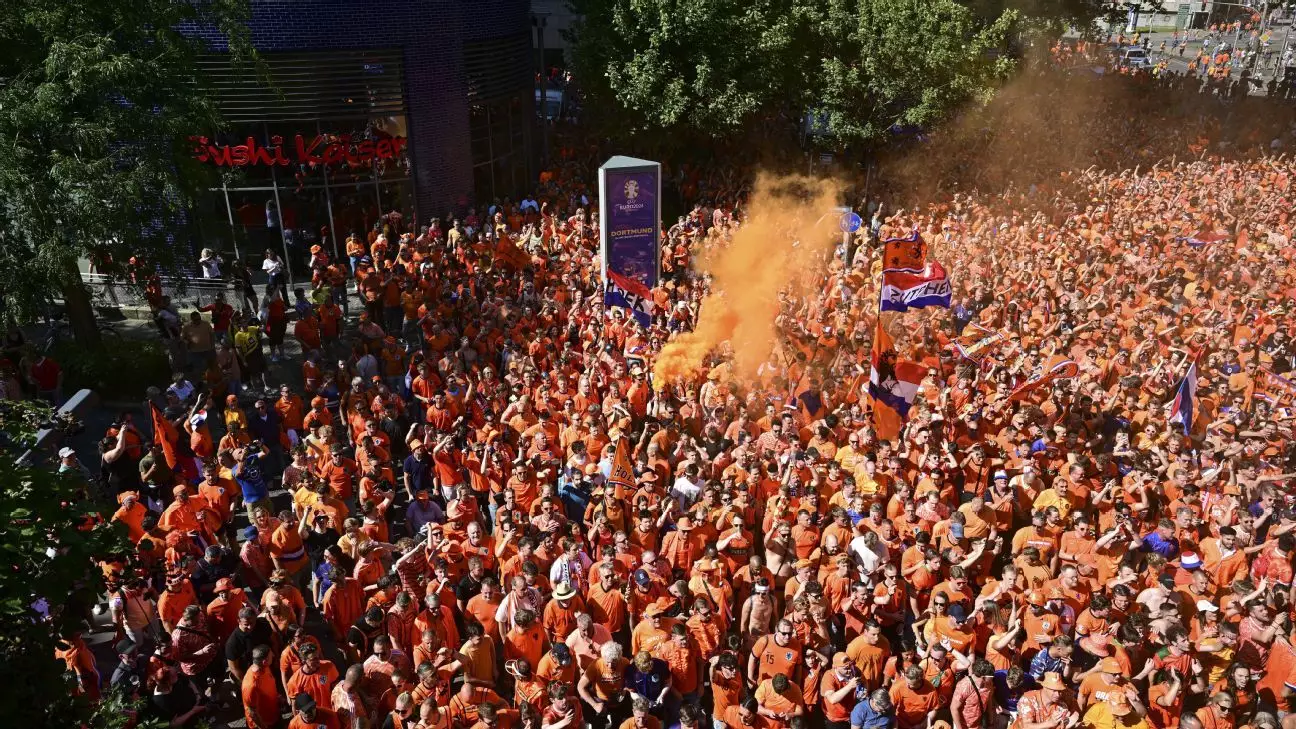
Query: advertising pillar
(630, 233)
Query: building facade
(366, 108)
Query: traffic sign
(851, 222)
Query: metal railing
(109, 291)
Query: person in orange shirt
(869, 652)
(779, 701)
(260, 692)
(685, 664)
(837, 690)
(308, 713)
(80, 661)
(681, 548)
(915, 700)
(291, 409)
(654, 630)
(288, 551)
(526, 639)
(314, 678)
(178, 595)
(954, 628)
(1040, 625)
(343, 603)
(180, 515)
(222, 612)
(131, 513)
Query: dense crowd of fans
(449, 552)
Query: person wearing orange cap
(681, 547)
(654, 629)
(319, 414)
(1050, 705)
(1103, 683)
(1039, 625)
(223, 610)
(180, 515)
(1121, 711)
(131, 513)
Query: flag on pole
(1203, 238)
(164, 435)
(977, 342)
(1184, 407)
(905, 254)
(902, 290)
(1275, 389)
(893, 385)
(1057, 368)
(622, 478)
(628, 293)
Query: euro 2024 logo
(631, 190)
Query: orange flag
(165, 435)
(1057, 368)
(904, 254)
(622, 478)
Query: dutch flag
(1184, 407)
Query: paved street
(98, 419)
(1178, 57)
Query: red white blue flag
(1184, 407)
(628, 293)
(1203, 238)
(893, 385)
(905, 290)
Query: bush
(120, 370)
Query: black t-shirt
(206, 574)
(239, 646)
(179, 701)
(468, 588)
(316, 542)
(717, 446)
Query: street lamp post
(540, 22)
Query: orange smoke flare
(763, 259)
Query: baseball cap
(642, 578)
(1206, 606)
(64, 452)
(1190, 561)
(957, 612)
(303, 702)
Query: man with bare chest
(780, 553)
(758, 612)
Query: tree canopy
(51, 538)
(96, 103)
(719, 66)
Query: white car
(1135, 58)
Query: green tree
(51, 540)
(905, 62)
(717, 67)
(97, 100)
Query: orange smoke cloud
(790, 225)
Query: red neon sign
(321, 150)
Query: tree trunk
(80, 314)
